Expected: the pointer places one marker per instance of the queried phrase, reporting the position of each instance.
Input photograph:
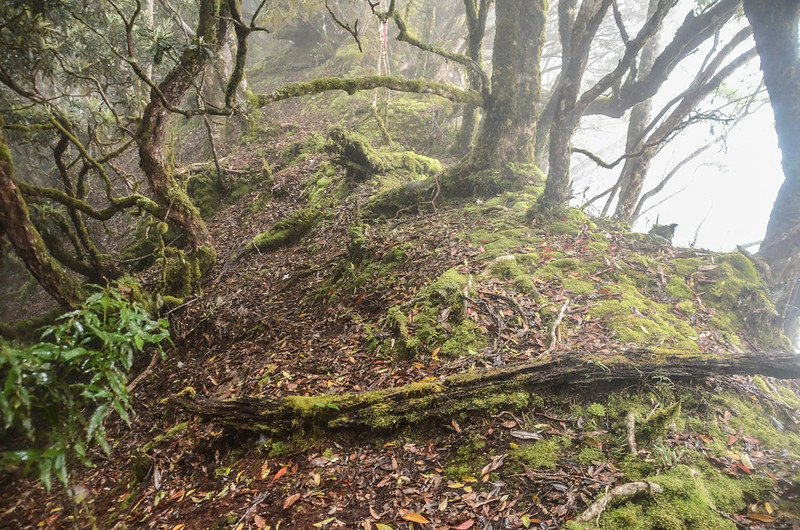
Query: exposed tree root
(624, 491)
(480, 390)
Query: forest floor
(310, 318)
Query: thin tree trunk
(508, 130)
(16, 226)
(631, 178)
(558, 189)
(477, 12)
(155, 124)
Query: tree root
(626, 490)
(492, 390)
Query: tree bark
(477, 14)
(508, 130)
(392, 408)
(775, 28)
(635, 168)
(577, 40)
(154, 127)
(16, 226)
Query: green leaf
(96, 420)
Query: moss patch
(544, 454)
(636, 319)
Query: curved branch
(355, 84)
(131, 201)
(407, 36)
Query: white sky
(732, 185)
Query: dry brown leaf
(415, 518)
(290, 500)
(259, 521)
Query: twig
(626, 490)
(554, 331)
(351, 30)
(150, 367)
(631, 422)
(258, 500)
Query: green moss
(468, 459)
(435, 321)
(686, 307)
(677, 288)
(754, 418)
(354, 152)
(171, 434)
(694, 498)
(502, 240)
(494, 401)
(589, 456)
(285, 232)
(601, 247)
(577, 287)
(507, 268)
(635, 319)
(544, 454)
(596, 410)
(742, 303)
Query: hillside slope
(330, 297)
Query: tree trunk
(631, 178)
(155, 124)
(775, 28)
(477, 12)
(576, 42)
(16, 226)
(508, 130)
(506, 386)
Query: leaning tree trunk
(775, 28)
(155, 124)
(396, 407)
(634, 171)
(558, 188)
(16, 226)
(508, 129)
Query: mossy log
(494, 389)
(354, 152)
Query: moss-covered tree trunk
(508, 129)
(16, 226)
(154, 127)
(775, 28)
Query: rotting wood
(481, 390)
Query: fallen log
(505, 387)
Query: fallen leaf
(466, 525)
(281, 472)
(381, 526)
(259, 521)
(265, 469)
(291, 500)
(180, 526)
(761, 517)
(746, 462)
(415, 518)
